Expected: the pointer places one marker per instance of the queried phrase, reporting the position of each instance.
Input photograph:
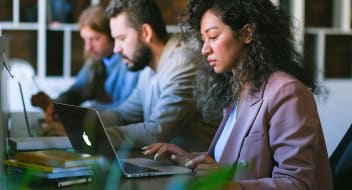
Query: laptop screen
(85, 131)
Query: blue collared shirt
(119, 82)
(118, 85)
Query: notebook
(87, 134)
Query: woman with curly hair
(271, 129)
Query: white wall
(336, 111)
(52, 86)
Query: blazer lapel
(242, 126)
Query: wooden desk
(99, 182)
(154, 183)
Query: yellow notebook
(56, 158)
(43, 168)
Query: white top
(220, 144)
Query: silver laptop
(87, 134)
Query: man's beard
(141, 58)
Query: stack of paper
(38, 143)
(64, 167)
(56, 158)
(47, 171)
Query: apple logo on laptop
(86, 139)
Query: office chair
(341, 162)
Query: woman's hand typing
(199, 162)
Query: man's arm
(173, 107)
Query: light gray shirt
(162, 107)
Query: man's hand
(54, 128)
(42, 100)
(53, 124)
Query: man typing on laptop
(103, 82)
(162, 107)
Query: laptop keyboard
(133, 168)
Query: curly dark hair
(139, 12)
(272, 49)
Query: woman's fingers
(163, 149)
(181, 159)
(202, 169)
(156, 149)
(201, 164)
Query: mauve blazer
(277, 140)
